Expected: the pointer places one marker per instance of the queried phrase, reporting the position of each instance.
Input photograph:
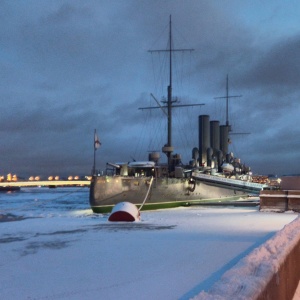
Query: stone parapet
(275, 200)
(269, 272)
(294, 200)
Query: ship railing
(227, 180)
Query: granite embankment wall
(284, 282)
(270, 272)
(280, 200)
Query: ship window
(141, 172)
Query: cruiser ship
(212, 174)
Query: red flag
(97, 141)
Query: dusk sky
(69, 67)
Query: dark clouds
(67, 67)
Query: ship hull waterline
(107, 191)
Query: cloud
(68, 67)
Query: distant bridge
(52, 183)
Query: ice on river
(54, 247)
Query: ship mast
(170, 90)
(227, 97)
(227, 102)
(168, 148)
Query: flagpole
(94, 166)
(97, 144)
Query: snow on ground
(170, 254)
(248, 278)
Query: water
(44, 202)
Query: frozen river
(54, 247)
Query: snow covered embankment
(271, 271)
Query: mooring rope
(150, 184)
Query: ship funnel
(224, 136)
(209, 153)
(215, 136)
(204, 138)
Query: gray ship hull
(107, 191)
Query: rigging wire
(152, 133)
(182, 74)
(141, 139)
